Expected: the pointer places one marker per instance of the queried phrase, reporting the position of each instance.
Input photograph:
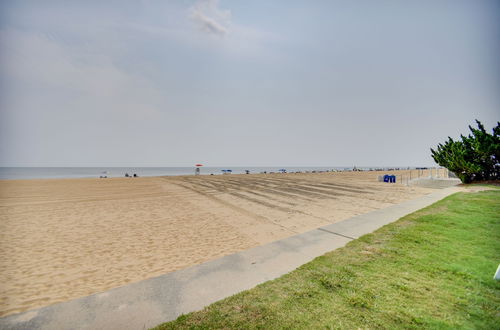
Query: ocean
(11, 173)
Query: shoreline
(36, 173)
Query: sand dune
(67, 238)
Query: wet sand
(67, 238)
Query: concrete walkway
(150, 302)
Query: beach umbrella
(199, 165)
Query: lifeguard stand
(197, 169)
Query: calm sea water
(8, 173)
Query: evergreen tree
(475, 158)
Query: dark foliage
(475, 158)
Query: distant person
(247, 171)
(126, 175)
(135, 175)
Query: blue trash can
(387, 178)
(393, 179)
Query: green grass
(431, 269)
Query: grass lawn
(433, 269)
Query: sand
(67, 238)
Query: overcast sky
(248, 83)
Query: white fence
(406, 176)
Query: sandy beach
(66, 238)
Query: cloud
(208, 24)
(210, 18)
